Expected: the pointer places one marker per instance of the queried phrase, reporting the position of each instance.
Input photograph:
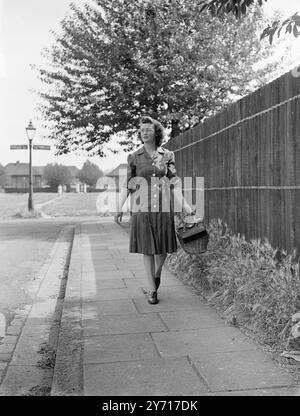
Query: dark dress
(152, 228)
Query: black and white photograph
(149, 202)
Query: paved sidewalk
(112, 342)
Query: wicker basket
(193, 238)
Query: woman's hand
(188, 213)
(118, 217)
(187, 210)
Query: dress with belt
(149, 180)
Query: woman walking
(150, 171)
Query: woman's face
(147, 132)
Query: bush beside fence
(247, 281)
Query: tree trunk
(175, 130)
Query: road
(24, 247)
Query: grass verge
(27, 214)
(253, 285)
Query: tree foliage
(89, 173)
(55, 174)
(114, 63)
(241, 7)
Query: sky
(24, 31)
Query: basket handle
(191, 224)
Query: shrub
(247, 280)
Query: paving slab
(143, 282)
(99, 256)
(203, 317)
(31, 321)
(120, 247)
(10, 339)
(140, 273)
(167, 303)
(89, 285)
(32, 329)
(28, 347)
(99, 246)
(128, 260)
(13, 330)
(25, 381)
(116, 274)
(178, 292)
(137, 270)
(251, 369)
(109, 307)
(182, 343)
(96, 260)
(18, 321)
(98, 268)
(6, 348)
(111, 294)
(160, 377)
(42, 309)
(112, 348)
(123, 324)
(4, 357)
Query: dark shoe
(157, 282)
(152, 298)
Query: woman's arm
(178, 195)
(125, 191)
(120, 202)
(181, 201)
(122, 198)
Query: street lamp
(30, 131)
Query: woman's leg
(159, 262)
(149, 264)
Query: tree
(55, 174)
(110, 65)
(241, 7)
(89, 173)
(2, 175)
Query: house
(117, 175)
(17, 177)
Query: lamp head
(30, 131)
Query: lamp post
(30, 131)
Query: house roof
(115, 171)
(22, 169)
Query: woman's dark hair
(158, 129)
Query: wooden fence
(249, 156)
